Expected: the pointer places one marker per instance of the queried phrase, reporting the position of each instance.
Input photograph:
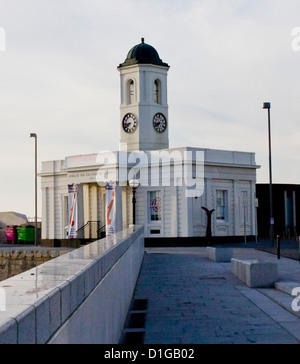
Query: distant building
(286, 202)
(225, 180)
(12, 219)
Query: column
(80, 211)
(236, 211)
(119, 204)
(86, 209)
(52, 212)
(93, 211)
(124, 208)
(295, 214)
(174, 213)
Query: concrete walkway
(195, 301)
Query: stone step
(286, 287)
(284, 300)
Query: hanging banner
(110, 210)
(73, 215)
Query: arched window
(157, 91)
(130, 92)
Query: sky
(59, 79)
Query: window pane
(221, 205)
(131, 92)
(155, 206)
(157, 92)
(130, 98)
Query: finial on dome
(143, 40)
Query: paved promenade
(195, 301)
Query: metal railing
(102, 232)
(94, 232)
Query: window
(221, 205)
(155, 206)
(157, 92)
(130, 92)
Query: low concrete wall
(81, 297)
(220, 255)
(255, 273)
(14, 261)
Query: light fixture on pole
(33, 135)
(134, 184)
(267, 106)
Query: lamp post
(267, 106)
(134, 184)
(33, 135)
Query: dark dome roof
(143, 54)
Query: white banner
(110, 210)
(73, 215)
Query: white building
(167, 203)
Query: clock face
(160, 123)
(130, 123)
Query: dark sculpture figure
(208, 230)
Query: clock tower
(144, 100)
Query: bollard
(278, 247)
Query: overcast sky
(59, 79)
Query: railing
(102, 232)
(95, 232)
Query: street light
(267, 106)
(134, 184)
(33, 135)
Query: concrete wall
(14, 261)
(81, 297)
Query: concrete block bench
(255, 273)
(221, 255)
